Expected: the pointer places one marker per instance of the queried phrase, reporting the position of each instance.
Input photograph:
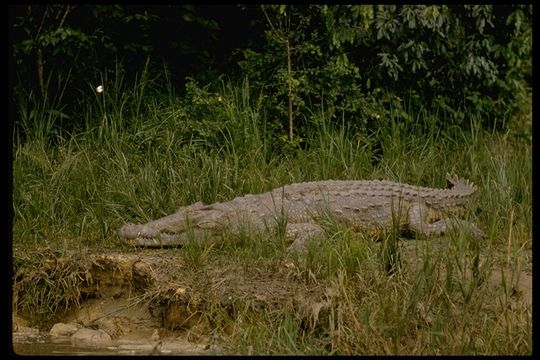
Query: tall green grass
(143, 152)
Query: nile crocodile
(362, 205)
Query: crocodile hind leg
(418, 222)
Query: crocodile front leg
(417, 220)
(300, 233)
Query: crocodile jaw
(132, 231)
(144, 236)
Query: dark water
(52, 348)
(47, 347)
(44, 345)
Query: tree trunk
(289, 70)
(39, 64)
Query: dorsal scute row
(461, 189)
(459, 186)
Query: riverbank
(156, 302)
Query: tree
(459, 58)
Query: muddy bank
(152, 299)
(153, 302)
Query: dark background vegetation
(353, 62)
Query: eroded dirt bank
(154, 302)
(150, 298)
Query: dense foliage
(459, 58)
(353, 62)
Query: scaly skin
(363, 205)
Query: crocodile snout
(133, 231)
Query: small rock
(113, 326)
(90, 338)
(24, 333)
(61, 329)
(155, 335)
(27, 330)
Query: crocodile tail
(460, 185)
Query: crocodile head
(147, 236)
